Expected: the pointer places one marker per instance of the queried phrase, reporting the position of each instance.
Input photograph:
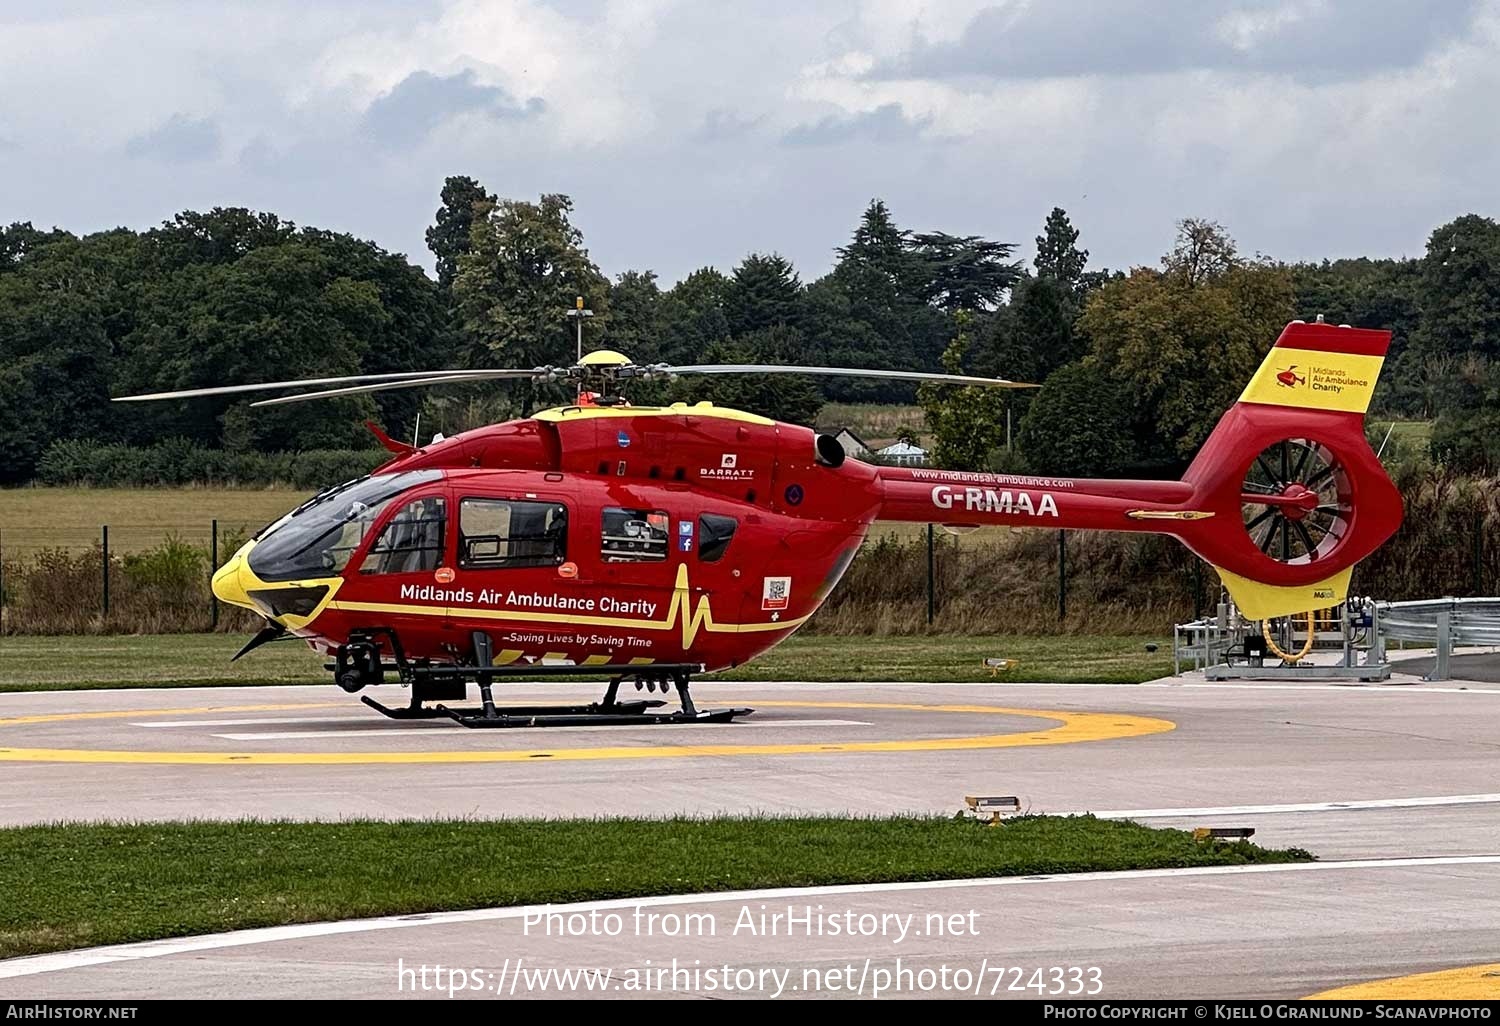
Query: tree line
(1134, 367)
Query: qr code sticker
(776, 593)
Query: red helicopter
(649, 544)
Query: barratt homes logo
(1289, 378)
(727, 470)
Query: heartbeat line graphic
(693, 618)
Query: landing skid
(559, 718)
(417, 711)
(429, 684)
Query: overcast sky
(692, 132)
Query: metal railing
(1445, 623)
(1206, 641)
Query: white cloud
(578, 66)
(1310, 127)
(177, 139)
(1245, 29)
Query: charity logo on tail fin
(1319, 377)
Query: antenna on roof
(578, 313)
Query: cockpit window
(411, 542)
(317, 538)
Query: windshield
(318, 537)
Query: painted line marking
(1350, 806)
(1470, 983)
(1072, 727)
(253, 722)
(293, 735)
(120, 714)
(32, 965)
(1414, 688)
(1374, 689)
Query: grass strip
(79, 885)
(202, 660)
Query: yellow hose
(1290, 660)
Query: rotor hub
(1300, 501)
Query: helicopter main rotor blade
(848, 372)
(540, 373)
(193, 393)
(356, 384)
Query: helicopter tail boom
(1284, 497)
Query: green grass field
(874, 422)
(1408, 438)
(183, 660)
(1063, 659)
(70, 886)
(138, 518)
(1416, 433)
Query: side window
(509, 533)
(412, 541)
(714, 535)
(633, 535)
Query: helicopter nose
(229, 581)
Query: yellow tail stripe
(1262, 601)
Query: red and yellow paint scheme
(619, 535)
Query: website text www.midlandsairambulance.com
(867, 978)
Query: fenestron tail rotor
(1296, 501)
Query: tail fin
(1297, 495)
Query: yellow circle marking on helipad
(1472, 983)
(194, 710)
(1073, 727)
